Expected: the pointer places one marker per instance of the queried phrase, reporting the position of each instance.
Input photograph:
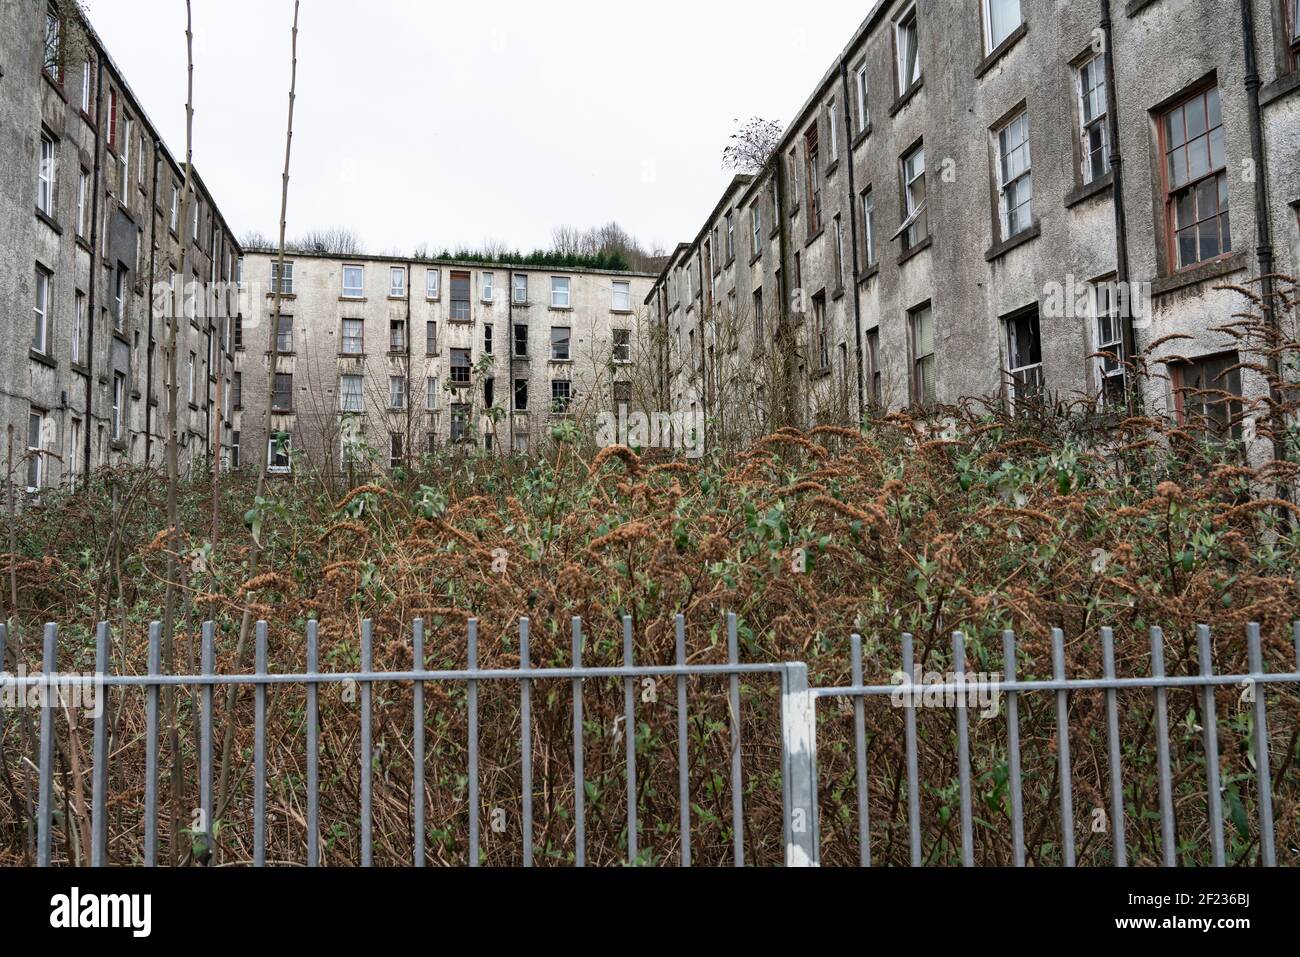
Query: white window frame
(119, 403)
(622, 289)
(990, 43)
(397, 393)
(1105, 304)
(833, 129)
(78, 326)
(520, 285)
(869, 238)
(127, 128)
(756, 220)
(488, 281)
(431, 394)
(561, 289)
(41, 310)
(912, 208)
(1101, 121)
(352, 401)
(907, 22)
(36, 453)
(271, 444)
(190, 394)
(396, 282)
(1024, 369)
(622, 350)
(86, 70)
(432, 284)
(284, 287)
(345, 339)
(357, 291)
(47, 176)
(1007, 181)
(83, 191)
(864, 99)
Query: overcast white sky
(454, 122)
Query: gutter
(92, 318)
(149, 352)
(1117, 192)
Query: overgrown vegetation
(969, 521)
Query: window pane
(1175, 131)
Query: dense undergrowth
(972, 522)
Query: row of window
(354, 287)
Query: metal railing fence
(798, 722)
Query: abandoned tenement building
(980, 198)
(382, 359)
(90, 214)
(975, 190)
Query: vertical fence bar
(99, 781)
(913, 762)
(208, 694)
(313, 746)
(799, 767)
(683, 748)
(526, 742)
(417, 743)
(1210, 718)
(259, 751)
(629, 729)
(4, 629)
(737, 772)
(1065, 771)
(367, 771)
(860, 755)
(1113, 747)
(1263, 769)
(1168, 839)
(473, 747)
(1010, 669)
(579, 772)
(45, 788)
(151, 748)
(963, 750)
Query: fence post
(45, 787)
(799, 767)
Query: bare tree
(254, 552)
(335, 240)
(752, 145)
(254, 239)
(566, 240)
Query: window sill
(920, 247)
(905, 97)
(622, 312)
(814, 237)
(1080, 194)
(1199, 274)
(84, 245)
(78, 368)
(821, 373)
(48, 220)
(460, 322)
(283, 295)
(561, 309)
(1002, 49)
(357, 299)
(56, 85)
(518, 304)
(860, 138)
(1019, 239)
(832, 169)
(1136, 6)
(392, 298)
(756, 257)
(352, 355)
(1279, 88)
(561, 362)
(870, 274)
(42, 358)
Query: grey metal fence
(799, 733)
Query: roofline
(428, 261)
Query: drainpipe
(1263, 228)
(92, 318)
(149, 351)
(1117, 192)
(783, 287)
(510, 353)
(853, 229)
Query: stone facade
(381, 360)
(88, 210)
(942, 225)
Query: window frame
(1017, 366)
(35, 450)
(41, 309)
(862, 92)
(566, 340)
(487, 282)
(1006, 183)
(359, 394)
(279, 444)
(47, 174)
(397, 393)
(432, 284)
(870, 233)
(396, 290)
(1102, 375)
(359, 339)
(1192, 186)
(990, 44)
(922, 361)
(908, 19)
(460, 309)
(621, 287)
(115, 426)
(276, 392)
(913, 213)
(556, 289)
(1100, 122)
(359, 290)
